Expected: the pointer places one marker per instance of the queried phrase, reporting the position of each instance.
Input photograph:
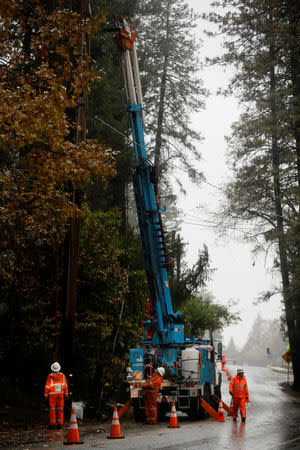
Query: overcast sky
(239, 275)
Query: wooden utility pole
(72, 247)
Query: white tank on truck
(190, 363)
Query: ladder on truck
(147, 201)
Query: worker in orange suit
(223, 362)
(151, 389)
(56, 389)
(238, 389)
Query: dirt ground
(21, 428)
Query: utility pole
(72, 245)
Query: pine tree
(261, 43)
(169, 62)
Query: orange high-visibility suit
(56, 389)
(223, 361)
(151, 389)
(240, 395)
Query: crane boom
(147, 202)
(189, 361)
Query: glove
(247, 400)
(231, 394)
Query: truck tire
(195, 412)
(139, 413)
(162, 410)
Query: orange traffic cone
(173, 418)
(115, 430)
(220, 415)
(73, 433)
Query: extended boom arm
(168, 328)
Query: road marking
(283, 444)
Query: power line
(203, 225)
(172, 164)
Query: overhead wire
(203, 225)
(136, 143)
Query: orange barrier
(173, 418)
(115, 430)
(124, 409)
(73, 433)
(208, 409)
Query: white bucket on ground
(79, 407)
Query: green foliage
(172, 89)
(111, 305)
(188, 281)
(202, 314)
(107, 119)
(44, 70)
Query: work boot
(58, 426)
(243, 419)
(51, 427)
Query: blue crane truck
(190, 362)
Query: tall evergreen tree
(260, 43)
(169, 61)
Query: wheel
(194, 412)
(139, 413)
(162, 410)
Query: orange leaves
(39, 89)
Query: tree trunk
(73, 240)
(294, 334)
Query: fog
(239, 275)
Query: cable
(136, 143)
(183, 170)
(246, 233)
(124, 135)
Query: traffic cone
(173, 418)
(115, 430)
(73, 433)
(220, 415)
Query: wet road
(273, 422)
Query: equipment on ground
(189, 362)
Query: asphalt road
(273, 422)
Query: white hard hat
(55, 367)
(240, 371)
(161, 371)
